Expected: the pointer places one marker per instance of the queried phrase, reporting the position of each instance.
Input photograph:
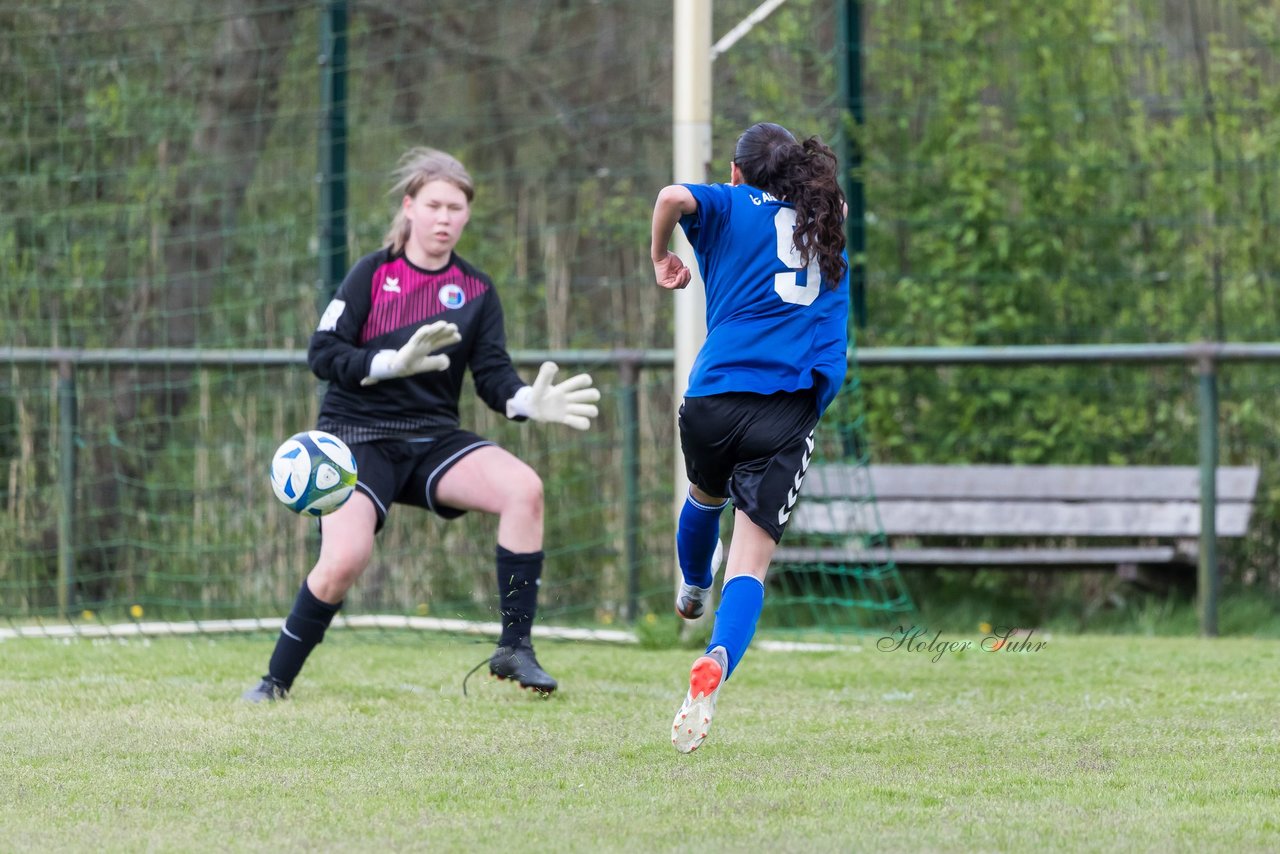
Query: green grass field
(1091, 743)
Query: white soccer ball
(313, 473)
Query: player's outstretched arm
(417, 355)
(571, 402)
(673, 202)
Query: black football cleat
(519, 663)
(266, 691)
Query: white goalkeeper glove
(570, 403)
(415, 357)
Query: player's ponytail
(804, 174)
(419, 167)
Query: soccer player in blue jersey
(770, 245)
(395, 345)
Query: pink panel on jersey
(404, 296)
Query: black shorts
(408, 471)
(754, 448)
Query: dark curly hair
(804, 174)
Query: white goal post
(692, 57)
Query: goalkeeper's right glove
(415, 357)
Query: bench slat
(1084, 483)
(1018, 518)
(1007, 558)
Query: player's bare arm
(673, 202)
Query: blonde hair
(419, 167)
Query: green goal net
(834, 569)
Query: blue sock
(741, 602)
(696, 538)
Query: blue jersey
(771, 325)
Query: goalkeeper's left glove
(569, 403)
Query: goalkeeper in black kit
(394, 345)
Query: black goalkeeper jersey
(381, 303)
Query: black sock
(518, 576)
(303, 629)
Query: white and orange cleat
(689, 729)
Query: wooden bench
(1011, 517)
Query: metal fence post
(849, 77)
(66, 487)
(332, 176)
(628, 376)
(1207, 573)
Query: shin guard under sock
(696, 536)
(741, 602)
(303, 629)
(518, 578)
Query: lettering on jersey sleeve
(329, 320)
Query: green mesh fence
(1067, 171)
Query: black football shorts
(408, 471)
(754, 448)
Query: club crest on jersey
(451, 296)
